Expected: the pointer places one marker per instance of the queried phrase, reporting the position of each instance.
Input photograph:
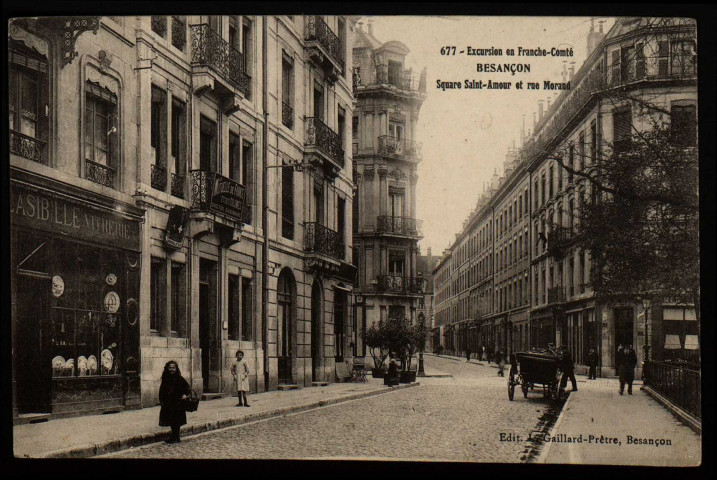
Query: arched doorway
(286, 295)
(317, 317)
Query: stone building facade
(386, 154)
(640, 61)
(182, 190)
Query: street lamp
(646, 346)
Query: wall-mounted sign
(111, 279)
(174, 235)
(58, 286)
(112, 302)
(228, 196)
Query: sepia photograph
(402, 238)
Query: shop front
(74, 290)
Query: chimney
(370, 27)
(595, 37)
(564, 73)
(540, 110)
(548, 106)
(572, 70)
(535, 122)
(428, 252)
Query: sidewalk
(598, 409)
(100, 434)
(463, 359)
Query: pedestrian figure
(483, 356)
(392, 376)
(568, 368)
(627, 369)
(501, 363)
(468, 354)
(240, 372)
(172, 391)
(592, 363)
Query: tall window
(28, 98)
(571, 161)
(341, 218)
(247, 179)
(550, 183)
(179, 136)
(287, 91)
(100, 134)
(158, 293)
(627, 63)
(287, 202)
(593, 142)
(581, 151)
(341, 126)
(158, 137)
(542, 188)
(684, 125)
(248, 46)
(684, 58)
(179, 295)
(234, 158)
(208, 145)
(663, 57)
(246, 309)
(396, 262)
(234, 33)
(341, 30)
(396, 198)
(622, 128)
(318, 102)
(319, 202)
(234, 308)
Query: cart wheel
(524, 387)
(511, 384)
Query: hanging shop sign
(228, 197)
(174, 235)
(43, 210)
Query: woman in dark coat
(173, 389)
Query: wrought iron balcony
(159, 177)
(179, 33)
(556, 295)
(98, 173)
(399, 225)
(398, 147)
(211, 50)
(325, 140)
(559, 239)
(321, 239)
(287, 115)
(177, 185)
(400, 284)
(27, 147)
(331, 46)
(216, 193)
(401, 79)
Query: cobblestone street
(457, 419)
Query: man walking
(468, 354)
(627, 369)
(568, 368)
(592, 363)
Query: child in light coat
(240, 372)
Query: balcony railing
(556, 295)
(398, 225)
(28, 147)
(400, 147)
(287, 115)
(98, 173)
(159, 178)
(402, 79)
(680, 385)
(319, 135)
(586, 84)
(214, 192)
(177, 185)
(400, 284)
(210, 49)
(179, 33)
(317, 30)
(321, 239)
(558, 239)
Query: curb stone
(125, 443)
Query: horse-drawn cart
(536, 367)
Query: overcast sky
(466, 133)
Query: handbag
(191, 403)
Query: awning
(672, 342)
(345, 289)
(691, 342)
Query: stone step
(288, 386)
(319, 384)
(25, 418)
(212, 396)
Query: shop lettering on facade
(36, 210)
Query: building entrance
(316, 337)
(208, 333)
(624, 324)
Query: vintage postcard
(330, 237)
